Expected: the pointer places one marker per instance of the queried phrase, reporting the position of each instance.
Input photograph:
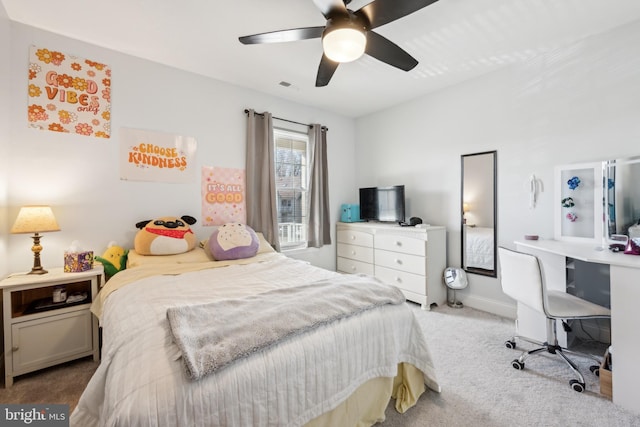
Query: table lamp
(465, 209)
(35, 219)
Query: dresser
(411, 258)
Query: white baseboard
(498, 308)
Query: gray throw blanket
(211, 336)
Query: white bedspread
(479, 247)
(142, 382)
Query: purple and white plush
(233, 240)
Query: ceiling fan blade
(330, 7)
(325, 71)
(283, 36)
(380, 12)
(386, 51)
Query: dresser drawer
(359, 253)
(404, 244)
(346, 265)
(354, 237)
(400, 261)
(403, 280)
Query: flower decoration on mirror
(610, 183)
(568, 202)
(574, 182)
(572, 217)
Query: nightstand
(39, 333)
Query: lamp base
(454, 303)
(36, 248)
(38, 270)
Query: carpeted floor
(59, 384)
(479, 386)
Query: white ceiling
(453, 40)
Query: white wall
(575, 104)
(5, 85)
(79, 176)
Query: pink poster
(223, 196)
(68, 94)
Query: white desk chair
(522, 279)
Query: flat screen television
(384, 204)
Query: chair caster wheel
(517, 364)
(510, 344)
(577, 386)
(595, 369)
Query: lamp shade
(35, 219)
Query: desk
(625, 310)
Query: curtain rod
(286, 120)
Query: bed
(343, 371)
(479, 247)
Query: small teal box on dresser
(350, 213)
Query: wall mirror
(622, 196)
(478, 218)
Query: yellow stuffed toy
(114, 259)
(166, 235)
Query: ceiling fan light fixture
(344, 44)
(349, 34)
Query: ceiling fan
(348, 34)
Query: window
(291, 166)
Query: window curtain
(262, 213)
(319, 219)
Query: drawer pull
(353, 237)
(15, 348)
(353, 252)
(399, 261)
(398, 243)
(353, 268)
(398, 280)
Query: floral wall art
(579, 210)
(68, 94)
